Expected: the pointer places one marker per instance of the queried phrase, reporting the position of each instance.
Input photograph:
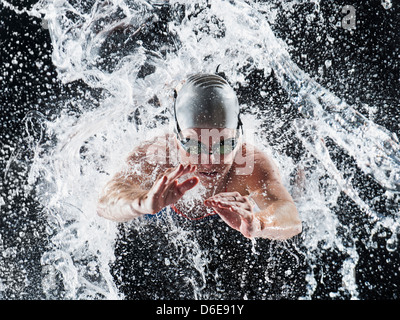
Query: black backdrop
(365, 69)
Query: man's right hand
(167, 190)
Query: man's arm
(278, 217)
(145, 187)
(122, 199)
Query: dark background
(365, 70)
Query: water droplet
(387, 4)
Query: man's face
(212, 150)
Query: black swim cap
(206, 101)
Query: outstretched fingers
(228, 215)
(170, 175)
(169, 190)
(180, 171)
(187, 185)
(160, 186)
(233, 200)
(235, 210)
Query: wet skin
(230, 194)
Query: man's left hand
(237, 211)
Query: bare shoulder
(151, 156)
(265, 165)
(253, 169)
(258, 162)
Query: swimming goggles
(195, 147)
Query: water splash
(98, 42)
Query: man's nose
(210, 159)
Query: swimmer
(243, 185)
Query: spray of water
(98, 42)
